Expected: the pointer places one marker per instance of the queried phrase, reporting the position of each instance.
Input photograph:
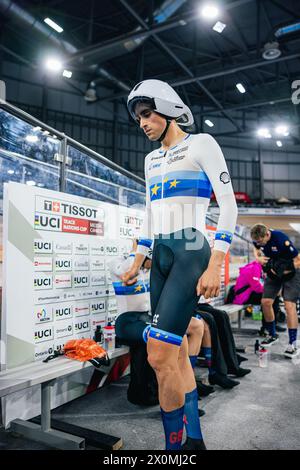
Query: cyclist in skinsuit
(180, 177)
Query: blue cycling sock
(191, 417)
(173, 427)
(292, 335)
(208, 357)
(271, 327)
(193, 360)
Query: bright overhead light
(31, 183)
(264, 132)
(219, 27)
(209, 123)
(241, 88)
(53, 25)
(10, 172)
(278, 143)
(282, 129)
(209, 11)
(67, 73)
(37, 128)
(31, 138)
(53, 64)
(46, 132)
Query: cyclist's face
(152, 123)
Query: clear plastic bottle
(109, 337)
(263, 357)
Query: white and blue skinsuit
(179, 183)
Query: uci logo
(63, 312)
(43, 334)
(80, 280)
(46, 221)
(127, 232)
(82, 325)
(45, 282)
(111, 249)
(42, 246)
(63, 263)
(98, 307)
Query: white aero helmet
(164, 100)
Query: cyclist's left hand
(209, 283)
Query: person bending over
(275, 252)
(180, 177)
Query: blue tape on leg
(145, 333)
(165, 336)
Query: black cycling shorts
(178, 262)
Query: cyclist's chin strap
(163, 135)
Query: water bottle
(109, 337)
(98, 336)
(263, 357)
(256, 313)
(256, 347)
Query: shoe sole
(269, 344)
(291, 357)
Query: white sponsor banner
(43, 264)
(79, 236)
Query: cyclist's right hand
(130, 277)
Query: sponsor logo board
(63, 311)
(43, 247)
(81, 326)
(43, 350)
(63, 329)
(43, 264)
(42, 282)
(63, 281)
(63, 264)
(42, 334)
(81, 264)
(81, 308)
(43, 314)
(81, 280)
(63, 248)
